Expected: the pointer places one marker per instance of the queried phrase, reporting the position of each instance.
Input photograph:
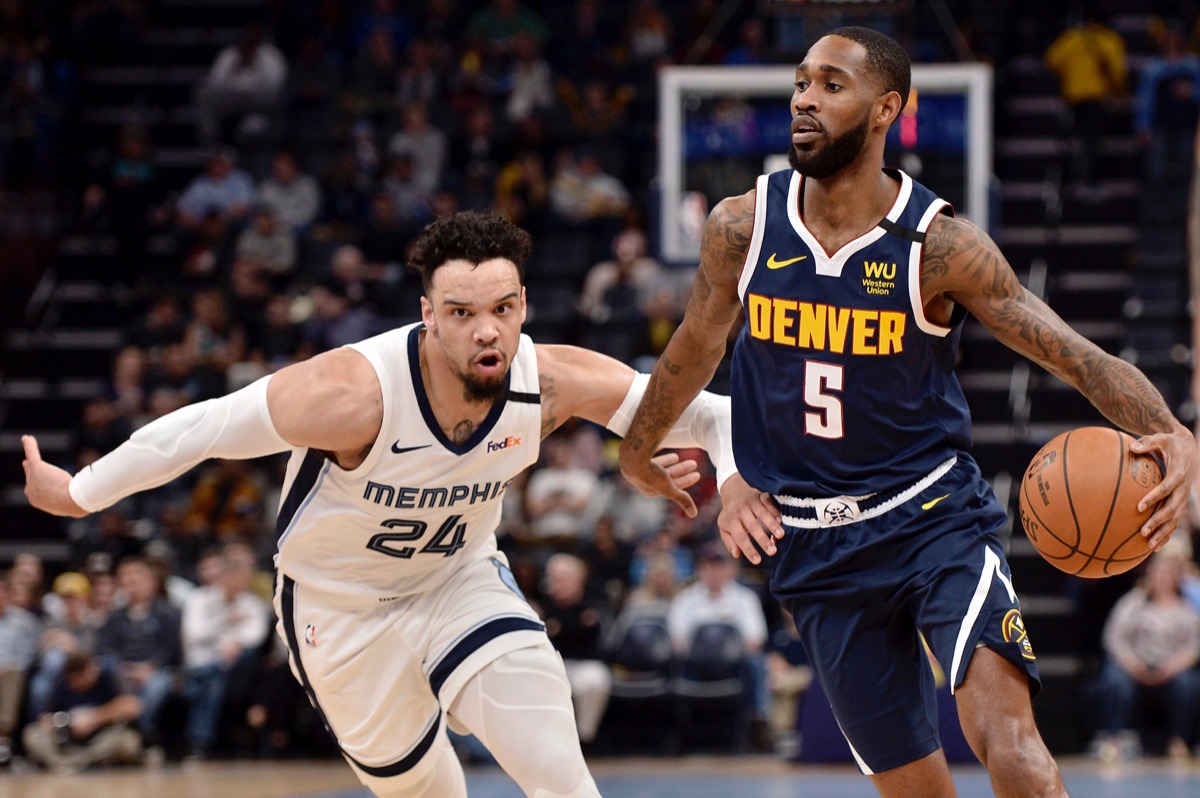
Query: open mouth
(805, 129)
(490, 362)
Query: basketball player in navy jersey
(851, 430)
(399, 614)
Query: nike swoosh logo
(929, 504)
(779, 264)
(396, 449)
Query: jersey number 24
(446, 541)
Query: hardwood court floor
(689, 777)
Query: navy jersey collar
(414, 367)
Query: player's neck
(850, 203)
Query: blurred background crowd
(315, 144)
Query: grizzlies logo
(1014, 632)
(510, 581)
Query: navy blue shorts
(860, 593)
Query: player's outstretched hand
(1177, 450)
(46, 485)
(748, 516)
(666, 475)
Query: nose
(804, 101)
(486, 333)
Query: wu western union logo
(779, 264)
(878, 277)
(808, 325)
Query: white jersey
(419, 505)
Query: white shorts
(384, 675)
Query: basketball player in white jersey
(400, 614)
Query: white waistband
(843, 510)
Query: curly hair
(885, 57)
(471, 236)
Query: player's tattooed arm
(696, 348)
(960, 262)
(548, 385)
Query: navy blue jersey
(840, 385)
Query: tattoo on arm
(961, 261)
(549, 404)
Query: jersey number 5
(409, 531)
(819, 379)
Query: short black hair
(885, 57)
(471, 236)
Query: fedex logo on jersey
(809, 325)
(495, 446)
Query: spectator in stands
(423, 143)
(1089, 59)
(225, 492)
(223, 627)
(608, 559)
(28, 582)
(245, 86)
(1152, 638)
(1168, 106)
(581, 192)
(371, 87)
(664, 542)
(575, 625)
(481, 139)
(73, 629)
(498, 25)
(381, 16)
(162, 324)
(127, 387)
(657, 591)
(623, 284)
(20, 631)
(214, 340)
(419, 80)
(275, 341)
(222, 191)
(387, 235)
(336, 320)
(294, 196)
(530, 82)
(139, 643)
(523, 192)
(649, 34)
(409, 194)
(344, 206)
(717, 597)
(267, 246)
(558, 493)
(583, 50)
(86, 720)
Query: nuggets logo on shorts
(310, 635)
(1014, 632)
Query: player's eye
(504, 309)
(833, 87)
(461, 313)
(801, 85)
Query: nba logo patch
(310, 635)
(1014, 632)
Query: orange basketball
(1079, 502)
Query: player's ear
(887, 108)
(522, 304)
(427, 315)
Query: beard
(482, 389)
(821, 163)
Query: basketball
(1079, 500)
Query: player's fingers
(764, 539)
(686, 480)
(666, 459)
(1162, 490)
(730, 546)
(1163, 535)
(768, 514)
(1170, 510)
(738, 533)
(681, 497)
(681, 468)
(32, 453)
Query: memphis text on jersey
(813, 325)
(421, 498)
